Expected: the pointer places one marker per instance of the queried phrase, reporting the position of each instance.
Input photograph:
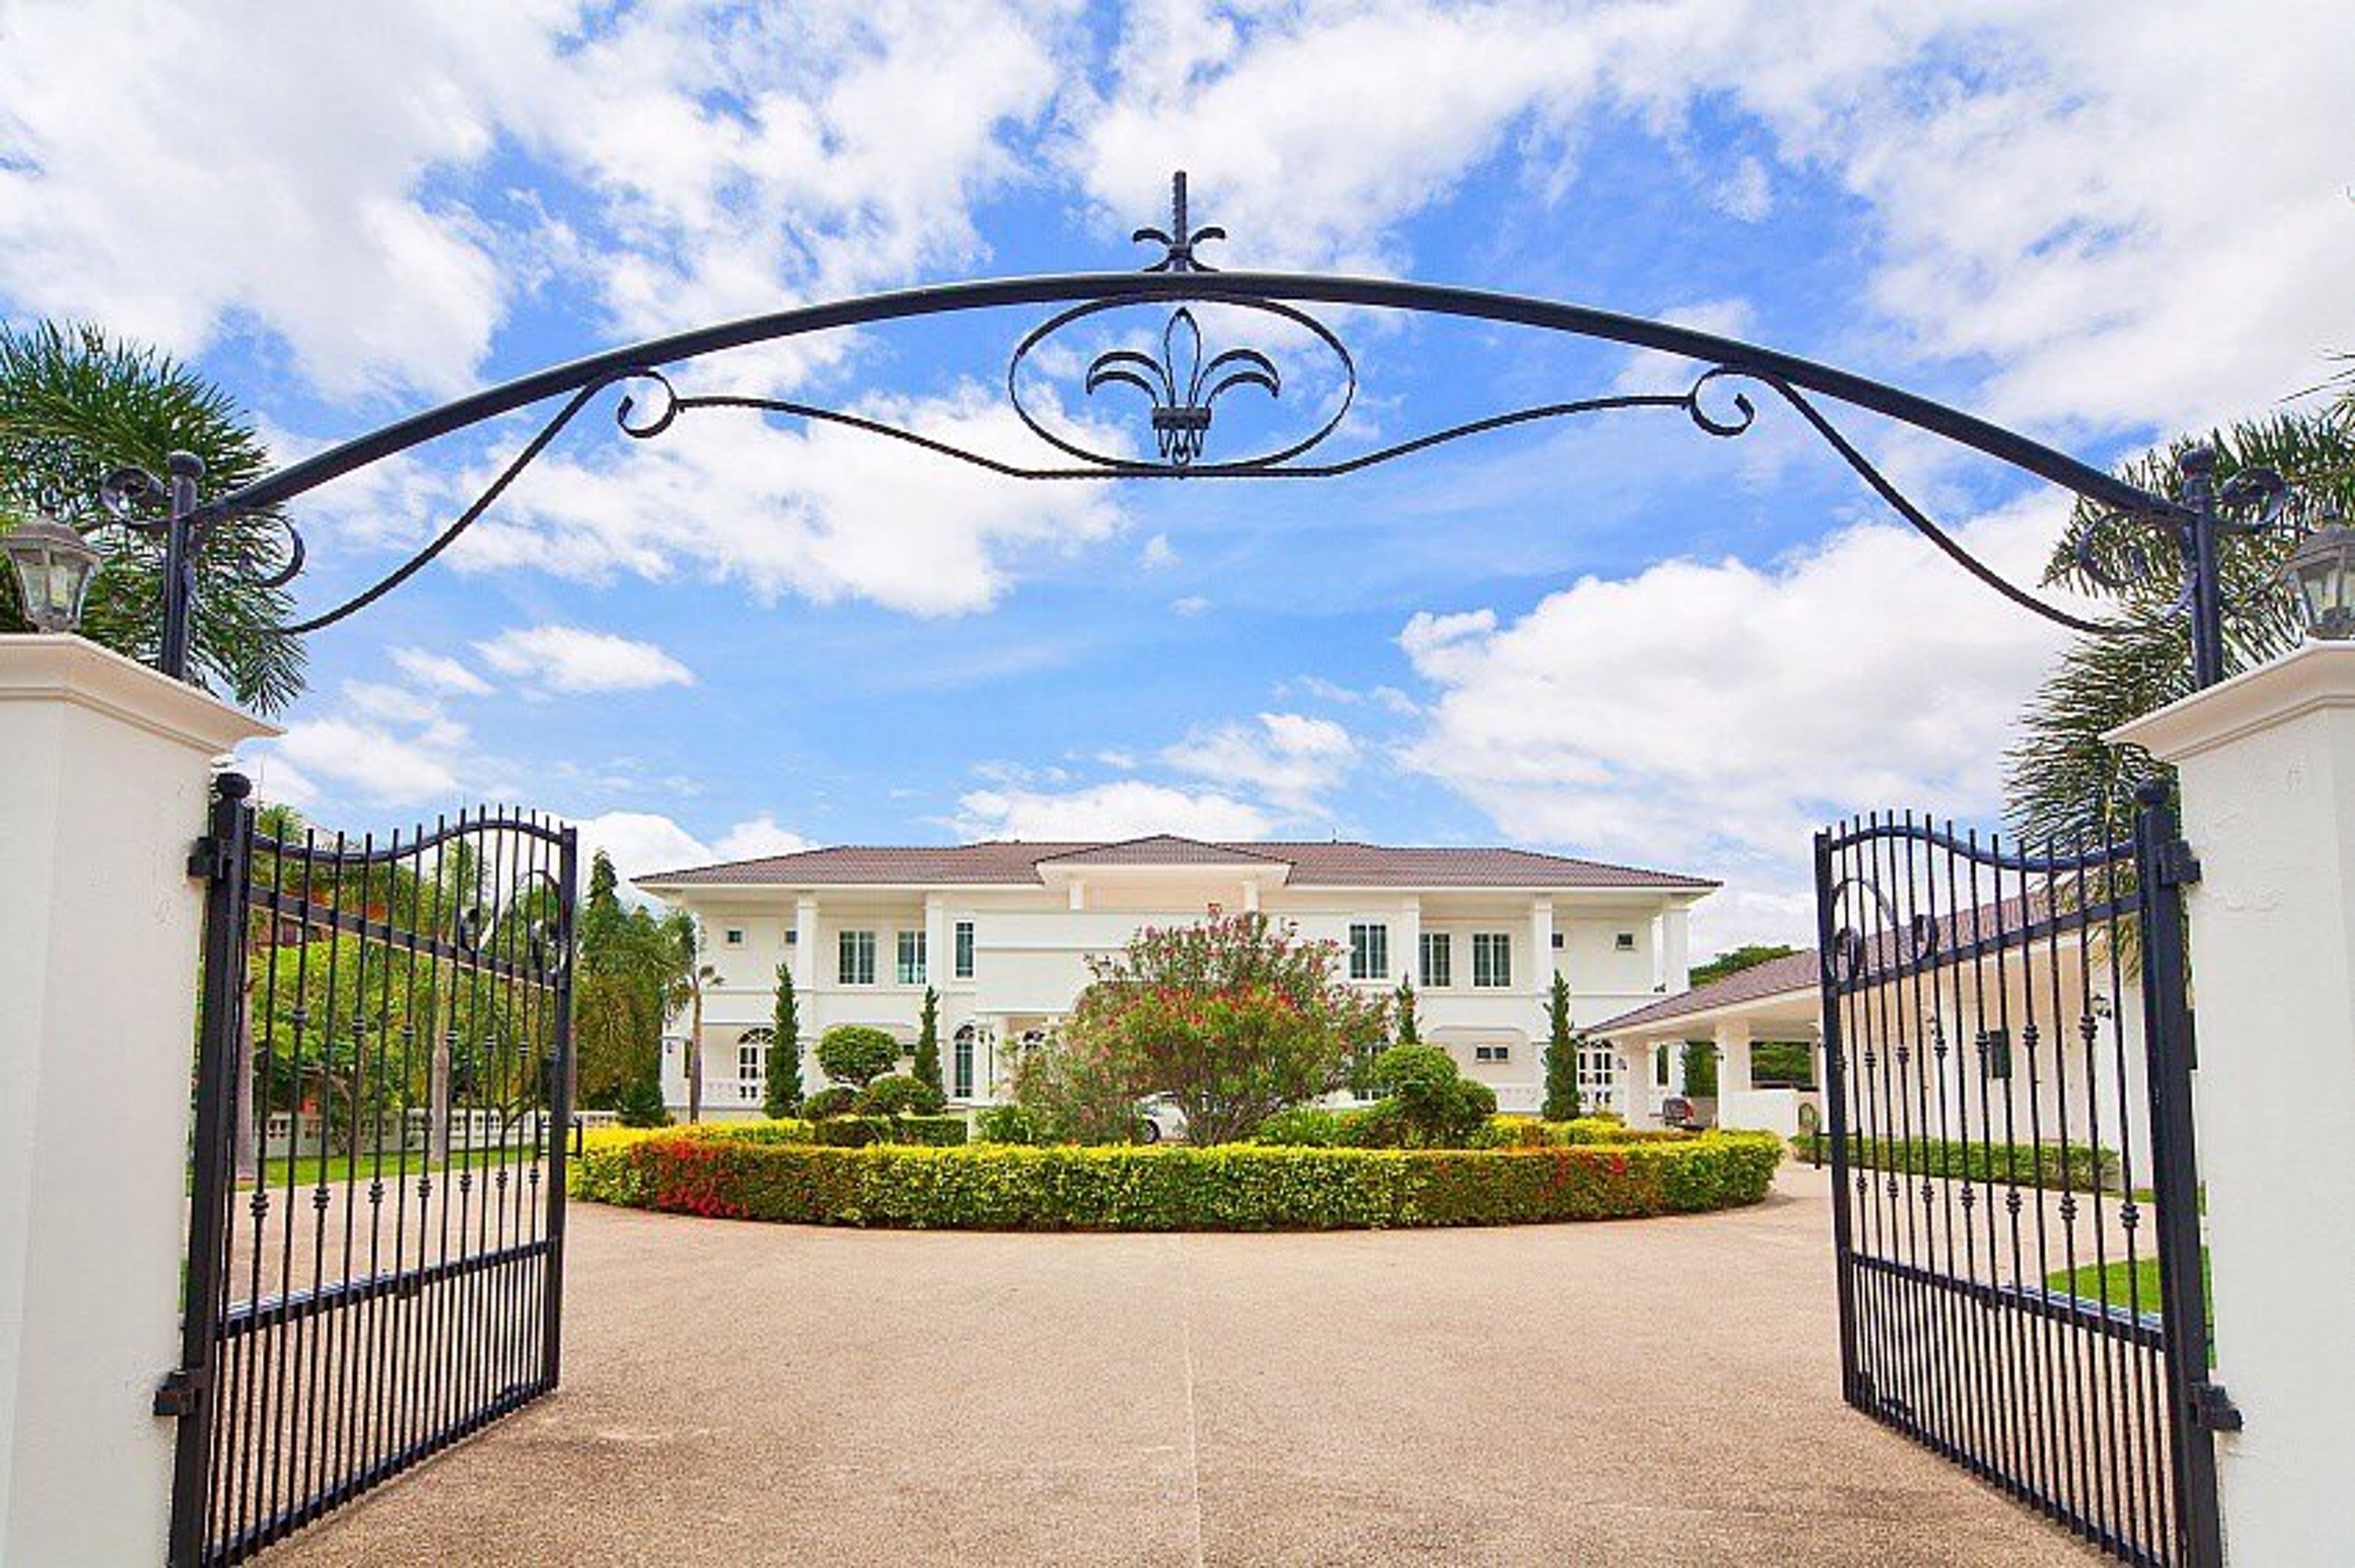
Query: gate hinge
(2214, 1409)
(180, 1391)
(208, 859)
(2177, 866)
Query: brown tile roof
(1314, 864)
(1793, 972)
(1160, 850)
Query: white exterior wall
(1031, 946)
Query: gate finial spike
(1177, 241)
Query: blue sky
(1623, 639)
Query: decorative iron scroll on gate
(2016, 1209)
(384, 1274)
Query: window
(1492, 958)
(1624, 943)
(1660, 1066)
(961, 1059)
(1557, 941)
(1994, 1053)
(964, 950)
(1598, 1078)
(911, 968)
(1369, 951)
(856, 964)
(735, 937)
(1492, 1053)
(1436, 954)
(753, 1063)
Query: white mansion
(1002, 930)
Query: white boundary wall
(107, 766)
(2267, 761)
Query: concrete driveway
(1655, 1391)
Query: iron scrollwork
(1190, 378)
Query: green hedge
(2085, 1168)
(839, 1131)
(1236, 1186)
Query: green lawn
(2129, 1285)
(310, 1168)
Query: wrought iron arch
(1184, 383)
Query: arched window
(961, 1063)
(753, 1063)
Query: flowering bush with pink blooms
(1235, 1018)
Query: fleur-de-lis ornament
(1181, 385)
(1178, 240)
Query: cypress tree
(927, 1065)
(783, 1096)
(1560, 1056)
(1403, 1028)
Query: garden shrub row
(837, 1132)
(2081, 1166)
(1234, 1187)
(1366, 1127)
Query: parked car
(1161, 1120)
(1675, 1111)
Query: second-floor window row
(1369, 951)
(1492, 958)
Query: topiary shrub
(901, 1094)
(856, 1054)
(833, 1100)
(1428, 1102)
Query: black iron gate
(376, 1231)
(2015, 1207)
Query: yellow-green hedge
(1234, 1187)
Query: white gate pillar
(108, 765)
(2267, 764)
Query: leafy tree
(1560, 1056)
(927, 1064)
(856, 1054)
(74, 406)
(782, 1096)
(1231, 1017)
(2065, 783)
(1747, 956)
(617, 993)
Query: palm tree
(74, 406)
(684, 980)
(2064, 782)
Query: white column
(2267, 765)
(938, 962)
(1250, 895)
(1732, 1057)
(806, 975)
(1078, 894)
(1676, 1050)
(1634, 1083)
(1406, 944)
(108, 768)
(1676, 950)
(1542, 944)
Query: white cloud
(643, 843)
(440, 672)
(761, 836)
(1158, 553)
(1708, 715)
(827, 513)
(571, 660)
(366, 762)
(1290, 758)
(1191, 605)
(1126, 808)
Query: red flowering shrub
(1234, 1018)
